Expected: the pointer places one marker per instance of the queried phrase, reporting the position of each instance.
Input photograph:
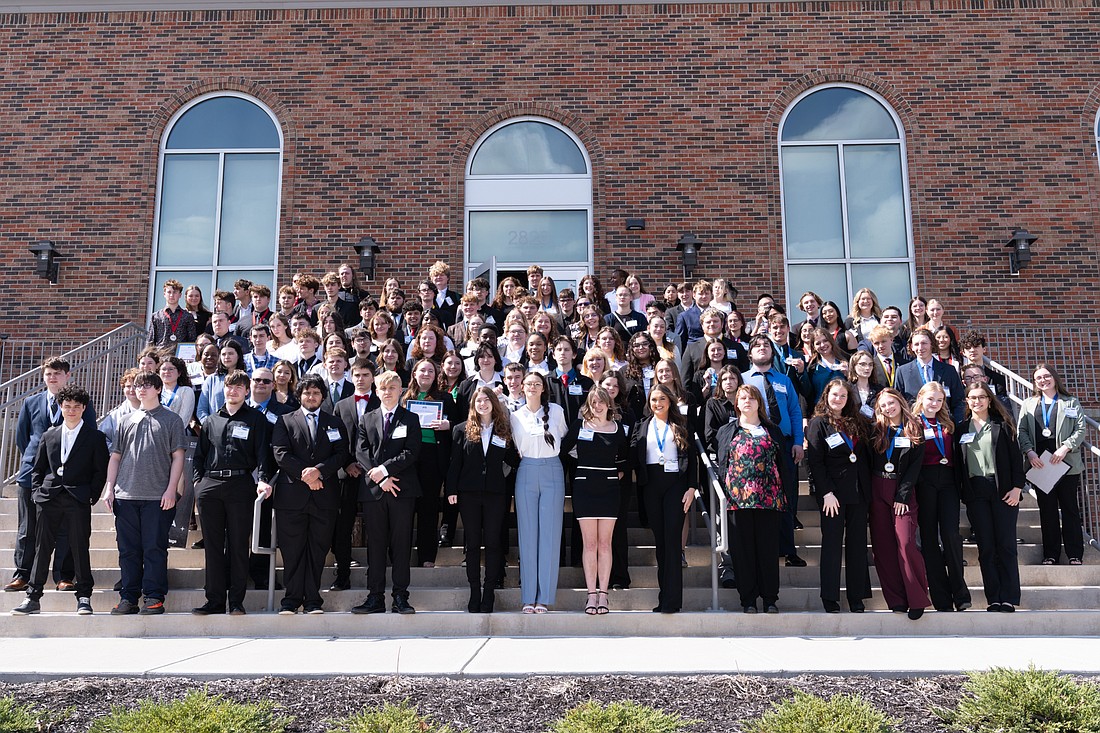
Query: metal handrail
(719, 531)
(257, 512)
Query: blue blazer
(34, 421)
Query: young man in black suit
(337, 386)
(69, 471)
(350, 410)
(387, 446)
(310, 446)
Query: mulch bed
(490, 705)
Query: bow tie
(361, 397)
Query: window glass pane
(189, 194)
(890, 281)
(811, 203)
(529, 236)
(226, 278)
(223, 122)
(838, 113)
(188, 278)
(828, 281)
(876, 203)
(528, 148)
(249, 195)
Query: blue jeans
(142, 530)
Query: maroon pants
(898, 560)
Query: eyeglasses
(261, 380)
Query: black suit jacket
(397, 453)
(908, 381)
(639, 438)
(85, 470)
(472, 469)
(349, 415)
(295, 451)
(831, 468)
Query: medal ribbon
(937, 435)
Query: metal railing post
(257, 512)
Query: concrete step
(618, 623)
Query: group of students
(456, 407)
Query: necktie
(889, 362)
(55, 414)
(335, 392)
(927, 372)
(773, 403)
(565, 380)
(386, 425)
(311, 422)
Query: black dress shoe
(993, 608)
(657, 609)
(474, 604)
(1008, 608)
(237, 610)
(373, 604)
(340, 584)
(444, 536)
(857, 607)
(208, 609)
(962, 606)
(771, 608)
(794, 561)
(798, 524)
(401, 606)
(198, 545)
(118, 587)
(749, 609)
(831, 606)
(488, 600)
(915, 613)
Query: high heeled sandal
(602, 609)
(590, 607)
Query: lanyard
(894, 433)
(171, 397)
(174, 322)
(847, 441)
(660, 438)
(937, 435)
(1047, 412)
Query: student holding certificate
(435, 410)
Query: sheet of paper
(1044, 478)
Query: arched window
(846, 221)
(528, 200)
(217, 216)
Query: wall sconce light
(1019, 250)
(45, 260)
(689, 247)
(635, 225)
(367, 249)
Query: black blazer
(639, 438)
(569, 403)
(85, 472)
(397, 454)
(716, 415)
(295, 451)
(349, 415)
(472, 470)
(1006, 454)
(831, 469)
(907, 467)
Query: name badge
(835, 440)
(448, 301)
(947, 391)
(632, 323)
(586, 434)
(731, 353)
(498, 441)
(732, 418)
(780, 387)
(401, 431)
(491, 320)
(683, 409)
(966, 438)
(929, 434)
(672, 467)
(900, 442)
(575, 390)
(757, 432)
(240, 431)
(648, 373)
(1072, 412)
(866, 411)
(332, 434)
(271, 417)
(626, 429)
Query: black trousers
(994, 522)
(226, 526)
(63, 568)
(304, 538)
(938, 512)
(845, 534)
(62, 513)
(663, 496)
(343, 526)
(483, 515)
(389, 532)
(754, 544)
(1066, 529)
(429, 472)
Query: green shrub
(402, 718)
(1015, 701)
(18, 718)
(618, 717)
(811, 714)
(196, 713)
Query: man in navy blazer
(914, 375)
(38, 414)
(387, 447)
(307, 493)
(68, 475)
(689, 329)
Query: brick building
(825, 144)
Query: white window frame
(214, 268)
(551, 192)
(840, 144)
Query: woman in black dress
(601, 447)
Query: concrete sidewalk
(29, 658)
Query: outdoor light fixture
(635, 225)
(367, 249)
(45, 260)
(689, 246)
(1019, 250)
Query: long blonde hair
(944, 415)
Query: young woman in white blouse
(537, 429)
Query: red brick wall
(678, 106)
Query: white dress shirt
(529, 433)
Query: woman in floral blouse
(748, 458)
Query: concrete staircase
(1057, 600)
